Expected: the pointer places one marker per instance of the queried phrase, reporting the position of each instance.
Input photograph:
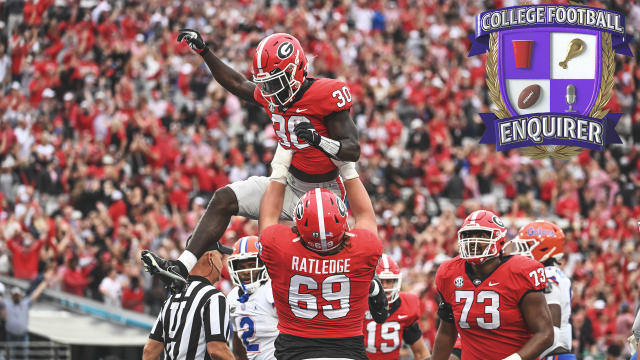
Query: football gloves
(378, 304)
(192, 38)
(306, 131)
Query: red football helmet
(387, 269)
(481, 236)
(540, 240)
(279, 68)
(245, 250)
(321, 220)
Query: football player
(251, 304)
(543, 241)
(383, 341)
(322, 272)
(495, 302)
(311, 121)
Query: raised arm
(360, 204)
(273, 197)
(231, 80)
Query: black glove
(192, 38)
(305, 131)
(378, 304)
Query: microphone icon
(571, 97)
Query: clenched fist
(192, 38)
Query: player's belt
(313, 178)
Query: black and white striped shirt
(191, 319)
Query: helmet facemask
(477, 244)
(523, 247)
(279, 87)
(392, 292)
(247, 271)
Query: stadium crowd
(113, 137)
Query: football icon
(529, 96)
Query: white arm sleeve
(280, 164)
(347, 169)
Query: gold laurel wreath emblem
(562, 152)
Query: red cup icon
(522, 53)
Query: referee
(194, 324)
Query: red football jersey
(487, 315)
(383, 340)
(323, 98)
(319, 296)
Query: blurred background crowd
(113, 137)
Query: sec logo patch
(458, 282)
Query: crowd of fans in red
(113, 137)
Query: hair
(550, 262)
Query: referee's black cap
(216, 246)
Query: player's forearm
(536, 345)
(419, 350)
(443, 344)
(271, 205)
(360, 204)
(231, 80)
(349, 150)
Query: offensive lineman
(251, 303)
(383, 341)
(311, 120)
(495, 302)
(543, 241)
(322, 272)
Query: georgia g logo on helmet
(299, 210)
(342, 209)
(285, 50)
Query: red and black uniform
(383, 341)
(486, 312)
(320, 300)
(317, 99)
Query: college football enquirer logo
(550, 73)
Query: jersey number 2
(310, 308)
(248, 334)
(491, 301)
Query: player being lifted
(383, 341)
(322, 272)
(495, 302)
(311, 119)
(543, 241)
(251, 304)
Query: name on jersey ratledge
(320, 267)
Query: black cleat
(172, 273)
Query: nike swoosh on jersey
(493, 284)
(402, 316)
(300, 110)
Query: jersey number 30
(491, 301)
(305, 305)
